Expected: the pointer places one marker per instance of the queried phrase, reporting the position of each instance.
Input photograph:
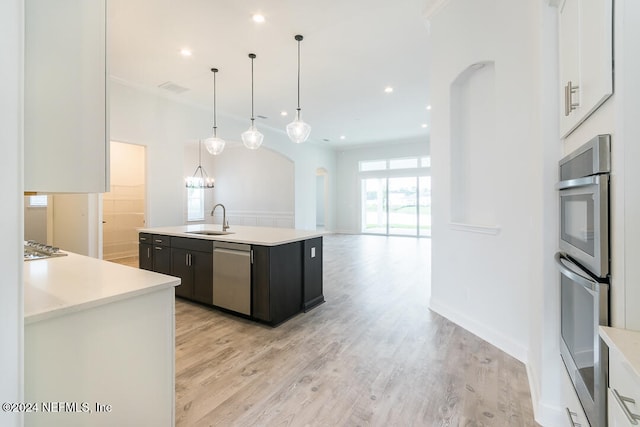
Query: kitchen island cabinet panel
(180, 268)
(162, 259)
(145, 251)
(277, 282)
(312, 265)
(192, 261)
(286, 266)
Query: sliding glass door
(374, 205)
(397, 206)
(403, 207)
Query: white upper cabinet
(586, 59)
(65, 97)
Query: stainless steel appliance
(584, 267)
(584, 306)
(34, 250)
(232, 276)
(584, 205)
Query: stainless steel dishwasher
(232, 276)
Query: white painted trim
(544, 414)
(488, 334)
(493, 230)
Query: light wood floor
(373, 354)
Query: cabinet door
(202, 266)
(145, 256)
(624, 390)
(162, 259)
(586, 59)
(181, 261)
(260, 280)
(65, 114)
(615, 414)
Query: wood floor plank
(371, 355)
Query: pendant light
(200, 179)
(298, 130)
(213, 144)
(251, 138)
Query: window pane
(425, 162)
(195, 204)
(403, 198)
(374, 206)
(374, 165)
(425, 206)
(403, 163)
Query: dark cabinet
(277, 282)
(154, 253)
(145, 251)
(285, 279)
(161, 254)
(312, 294)
(192, 261)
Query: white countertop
(266, 236)
(626, 343)
(61, 285)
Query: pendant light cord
(252, 57)
(298, 75)
(215, 126)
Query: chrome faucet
(225, 223)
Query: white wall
(11, 216)
(256, 186)
(348, 197)
(165, 125)
(502, 259)
(35, 222)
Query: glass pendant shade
(298, 130)
(214, 145)
(252, 138)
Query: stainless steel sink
(209, 232)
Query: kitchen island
(261, 273)
(99, 343)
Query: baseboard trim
(488, 334)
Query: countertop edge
(240, 236)
(626, 342)
(64, 310)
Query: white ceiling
(352, 50)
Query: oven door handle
(578, 182)
(590, 284)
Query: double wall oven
(584, 263)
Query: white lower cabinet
(575, 416)
(623, 394)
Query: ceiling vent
(261, 117)
(172, 87)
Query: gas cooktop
(34, 250)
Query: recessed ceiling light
(258, 18)
(388, 89)
(428, 107)
(342, 137)
(424, 125)
(283, 113)
(185, 52)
